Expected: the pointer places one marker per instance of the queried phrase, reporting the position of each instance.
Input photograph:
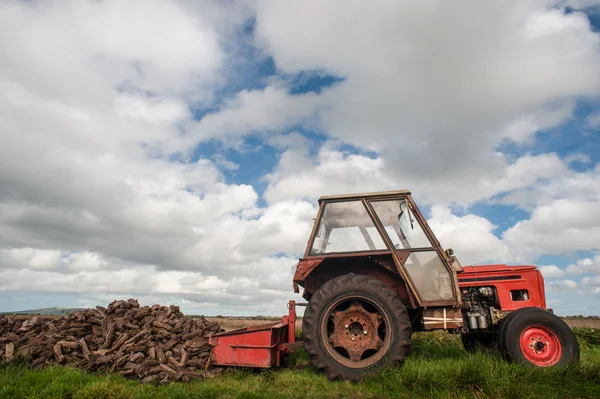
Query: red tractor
(373, 273)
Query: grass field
(437, 368)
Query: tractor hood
(470, 270)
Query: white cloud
(563, 226)
(436, 103)
(557, 185)
(158, 48)
(268, 110)
(570, 283)
(523, 129)
(30, 258)
(78, 274)
(94, 97)
(593, 120)
(221, 161)
(552, 271)
(554, 287)
(470, 236)
(334, 171)
(592, 283)
(85, 261)
(584, 266)
(577, 157)
(298, 175)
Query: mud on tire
(337, 308)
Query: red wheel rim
(540, 346)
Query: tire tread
(321, 299)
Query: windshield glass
(426, 269)
(432, 279)
(400, 224)
(346, 227)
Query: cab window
(346, 227)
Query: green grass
(588, 336)
(437, 368)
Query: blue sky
(186, 167)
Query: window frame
(317, 226)
(416, 219)
(399, 256)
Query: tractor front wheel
(537, 337)
(353, 325)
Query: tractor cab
(389, 228)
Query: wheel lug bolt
(352, 338)
(365, 332)
(346, 326)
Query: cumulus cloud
(578, 283)
(593, 120)
(89, 117)
(563, 285)
(264, 111)
(561, 227)
(584, 266)
(334, 170)
(552, 271)
(470, 236)
(90, 274)
(104, 105)
(437, 104)
(30, 258)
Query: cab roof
(365, 195)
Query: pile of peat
(156, 343)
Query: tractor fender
(304, 268)
(313, 273)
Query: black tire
(537, 337)
(397, 327)
(474, 342)
(501, 336)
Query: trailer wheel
(353, 325)
(474, 342)
(537, 337)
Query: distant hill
(46, 311)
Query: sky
(174, 151)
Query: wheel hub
(540, 346)
(355, 334)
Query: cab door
(431, 278)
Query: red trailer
(261, 346)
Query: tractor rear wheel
(354, 325)
(537, 337)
